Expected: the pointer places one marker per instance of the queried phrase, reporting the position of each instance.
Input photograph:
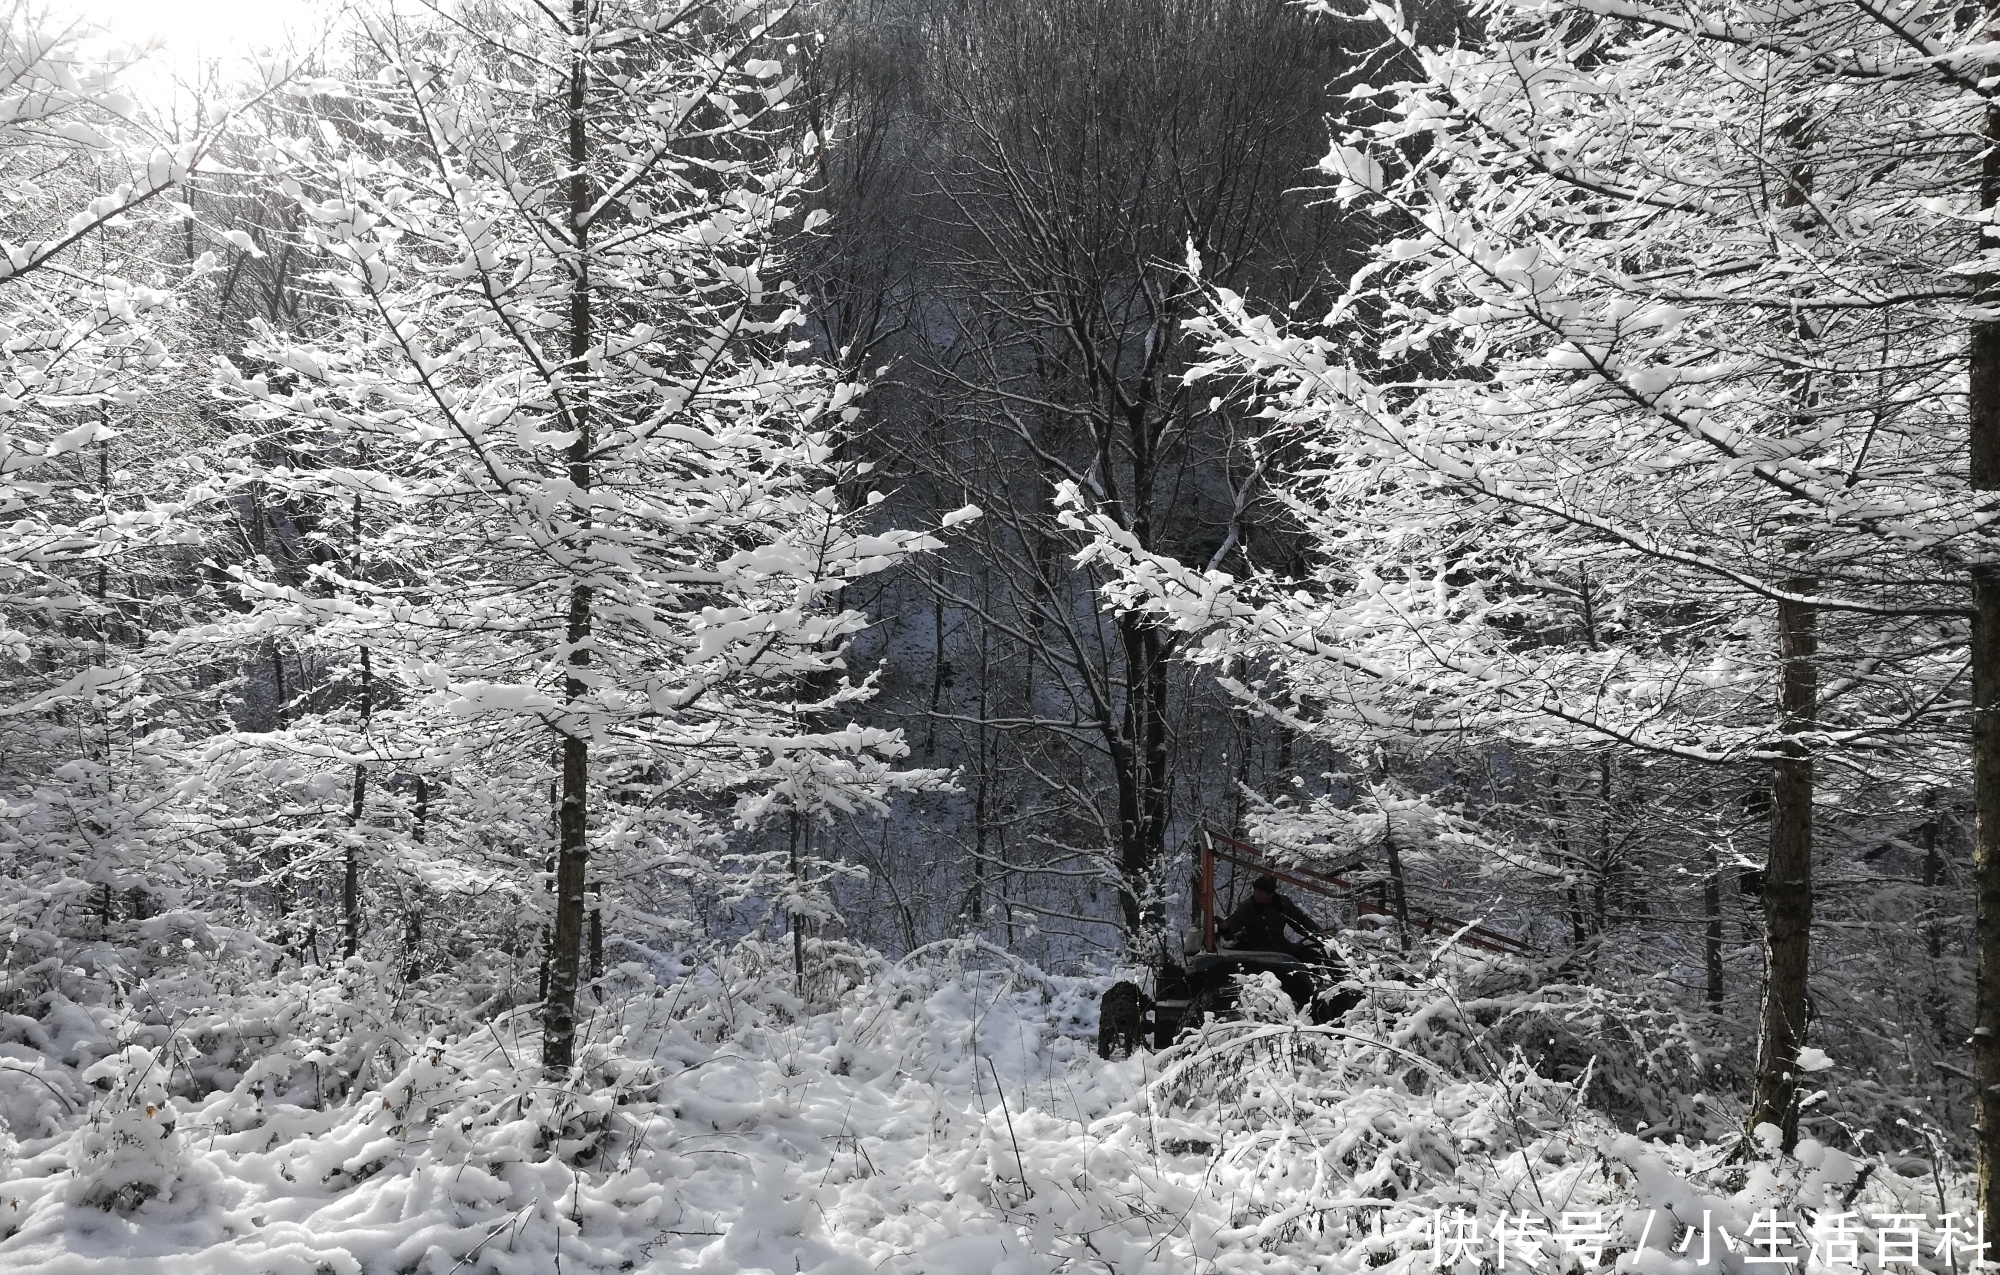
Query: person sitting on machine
(1259, 922)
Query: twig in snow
(45, 1084)
(1020, 1165)
(512, 1221)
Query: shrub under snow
(939, 1118)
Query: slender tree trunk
(413, 928)
(572, 846)
(1131, 847)
(1157, 783)
(104, 625)
(1927, 837)
(1572, 866)
(1601, 868)
(350, 881)
(794, 827)
(596, 942)
(1142, 785)
(982, 785)
(1984, 428)
(1711, 907)
(1788, 899)
(281, 901)
(1606, 869)
(350, 886)
(278, 683)
(940, 673)
(1399, 898)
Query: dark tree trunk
(1606, 846)
(795, 827)
(1788, 899)
(982, 785)
(572, 847)
(1711, 907)
(1141, 763)
(1398, 897)
(1572, 867)
(597, 938)
(413, 929)
(350, 882)
(350, 885)
(1927, 837)
(420, 815)
(278, 685)
(1984, 428)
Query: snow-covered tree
(1674, 301)
(82, 167)
(572, 490)
(99, 485)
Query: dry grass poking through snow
(943, 1118)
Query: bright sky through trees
(188, 33)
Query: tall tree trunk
(1398, 897)
(794, 828)
(572, 847)
(1156, 783)
(1132, 864)
(1601, 869)
(1711, 907)
(278, 684)
(1572, 862)
(413, 928)
(1788, 896)
(983, 784)
(1984, 428)
(1606, 869)
(350, 886)
(350, 881)
(940, 673)
(1142, 783)
(1927, 837)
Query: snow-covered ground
(940, 1118)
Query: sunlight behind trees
(185, 40)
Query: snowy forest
(576, 570)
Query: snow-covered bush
(948, 1114)
(129, 1149)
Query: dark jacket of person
(1261, 927)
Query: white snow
(936, 1120)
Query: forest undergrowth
(945, 1113)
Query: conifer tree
(580, 532)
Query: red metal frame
(1329, 886)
